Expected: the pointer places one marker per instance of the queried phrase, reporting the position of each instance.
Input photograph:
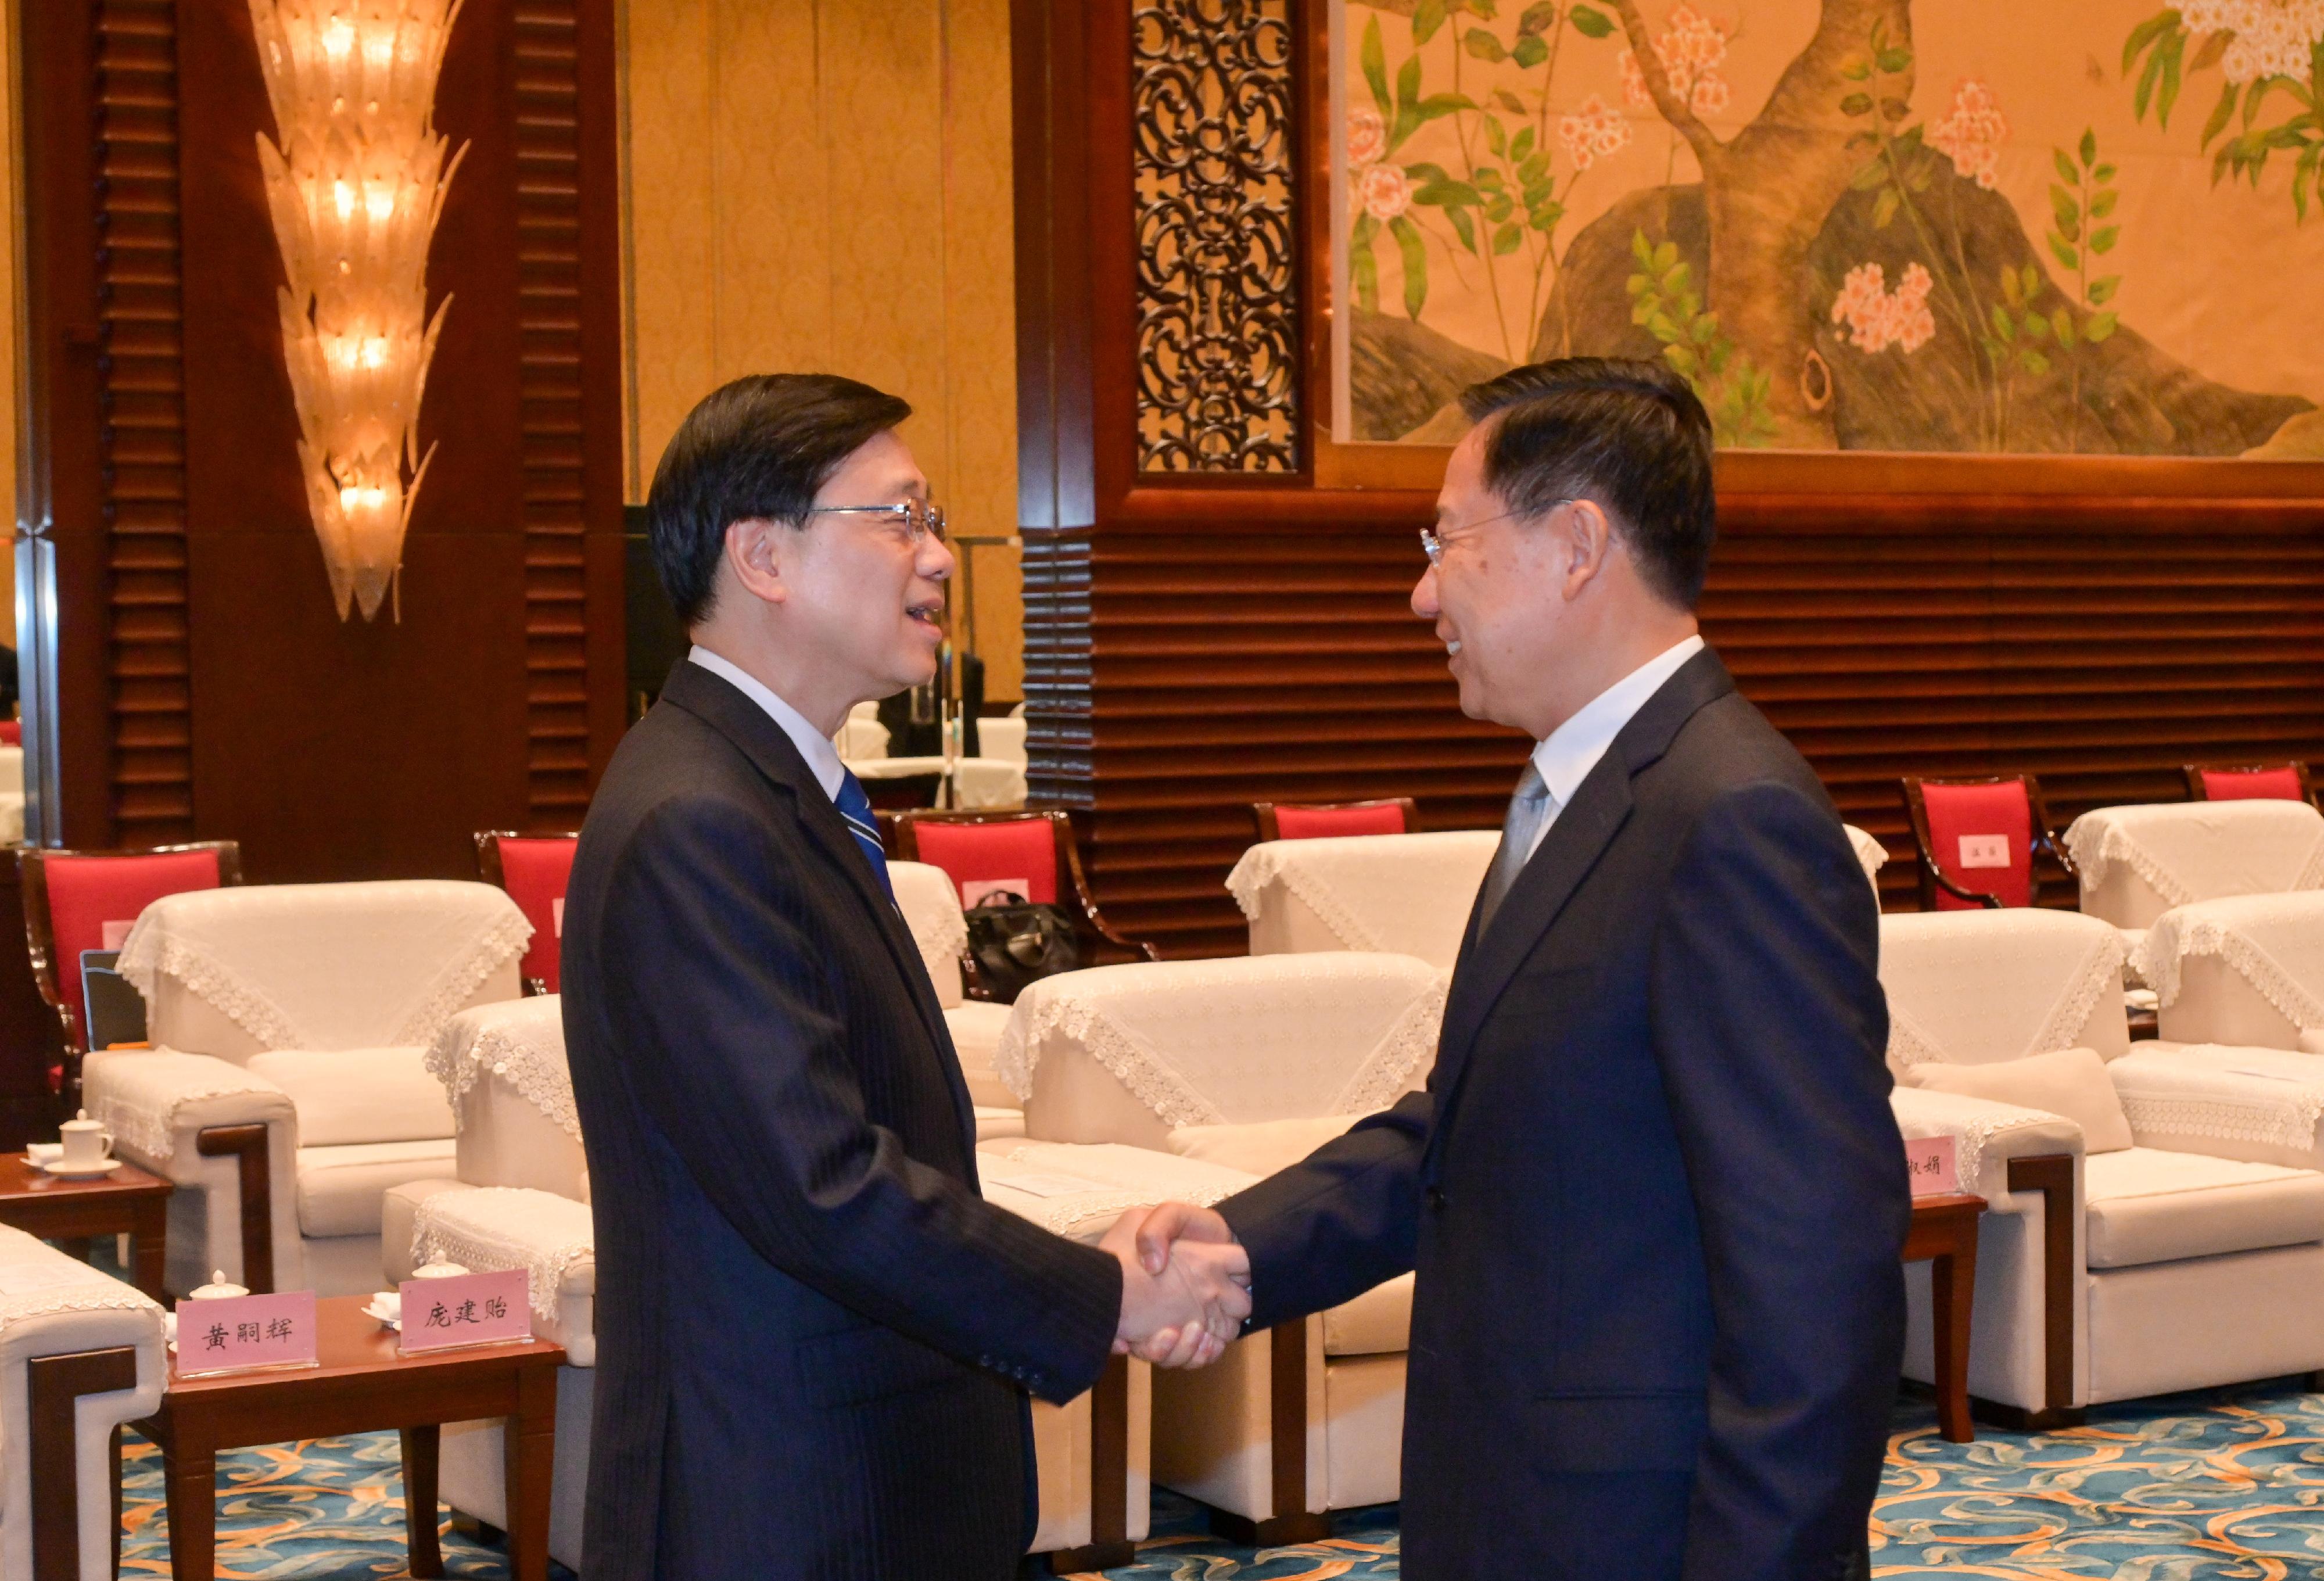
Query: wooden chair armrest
(1991, 902)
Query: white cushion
(2071, 1082)
(995, 1124)
(976, 1026)
(359, 1095)
(1261, 1147)
(340, 1189)
(1377, 1323)
(2147, 1205)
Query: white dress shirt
(822, 757)
(1574, 747)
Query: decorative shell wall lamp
(356, 187)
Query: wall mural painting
(2045, 226)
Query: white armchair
(2197, 1185)
(520, 1200)
(80, 1354)
(2243, 971)
(286, 1090)
(2136, 862)
(1870, 854)
(931, 908)
(1403, 894)
(1249, 1064)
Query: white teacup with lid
(86, 1143)
(219, 1289)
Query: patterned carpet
(2227, 1485)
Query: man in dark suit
(1653, 1191)
(816, 1340)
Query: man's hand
(1183, 1309)
(1161, 1228)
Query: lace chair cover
(1003, 739)
(1078, 1189)
(328, 967)
(1403, 894)
(498, 1227)
(2274, 942)
(139, 1095)
(37, 1280)
(1972, 986)
(1870, 854)
(987, 784)
(931, 908)
(521, 1041)
(1252, 1037)
(1986, 1134)
(2201, 850)
(2180, 1093)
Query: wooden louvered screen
(1197, 642)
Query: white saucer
(81, 1171)
(371, 1309)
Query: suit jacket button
(1435, 1197)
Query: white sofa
(290, 1025)
(2200, 1194)
(2247, 970)
(931, 908)
(2136, 862)
(76, 1341)
(1251, 1064)
(519, 1198)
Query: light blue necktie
(856, 807)
(1529, 809)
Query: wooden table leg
(420, 1447)
(149, 1249)
(190, 1473)
(1951, 1280)
(528, 1440)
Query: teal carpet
(2225, 1485)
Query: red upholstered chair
(1035, 849)
(1284, 820)
(533, 869)
(2247, 782)
(12, 732)
(77, 901)
(1978, 839)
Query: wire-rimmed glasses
(1433, 542)
(918, 519)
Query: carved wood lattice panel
(1213, 111)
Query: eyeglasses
(1433, 542)
(920, 521)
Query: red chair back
(2280, 784)
(1314, 823)
(93, 900)
(12, 732)
(534, 871)
(1982, 837)
(1020, 849)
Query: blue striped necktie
(856, 807)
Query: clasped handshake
(1185, 1284)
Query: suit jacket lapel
(723, 707)
(1584, 828)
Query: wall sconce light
(356, 187)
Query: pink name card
(469, 1309)
(1931, 1162)
(234, 1333)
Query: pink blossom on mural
(1972, 135)
(1366, 137)
(1690, 49)
(1384, 191)
(1878, 317)
(2272, 38)
(1592, 133)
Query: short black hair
(757, 448)
(1630, 435)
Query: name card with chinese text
(236, 1334)
(470, 1308)
(1930, 1160)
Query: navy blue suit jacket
(1653, 1189)
(815, 1338)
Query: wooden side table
(364, 1385)
(1944, 1235)
(128, 1202)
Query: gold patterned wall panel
(825, 184)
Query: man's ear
(754, 555)
(1588, 540)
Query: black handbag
(1016, 942)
